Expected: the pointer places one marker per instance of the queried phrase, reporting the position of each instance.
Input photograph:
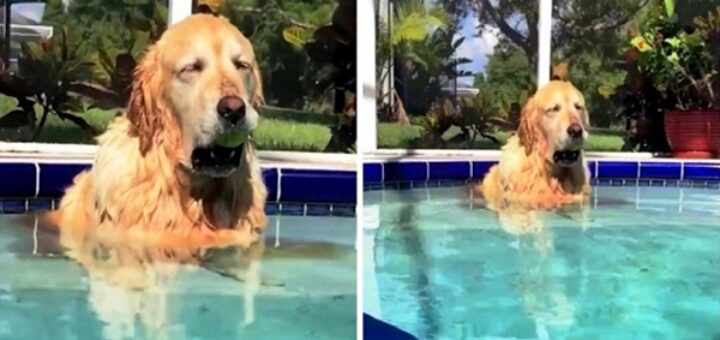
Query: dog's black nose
(575, 131)
(231, 109)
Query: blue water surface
(640, 263)
(301, 285)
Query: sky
(477, 48)
(30, 10)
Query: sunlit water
(642, 263)
(301, 285)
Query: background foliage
(590, 38)
(108, 37)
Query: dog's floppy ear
(144, 111)
(258, 98)
(529, 133)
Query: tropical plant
(481, 118)
(333, 51)
(676, 59)
(411, 22)
(668, 66)
(47, 71)
(136, 24)
(709, 27)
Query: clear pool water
(642, 263)
(302, 287)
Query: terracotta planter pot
(693, 134)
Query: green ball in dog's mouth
(232, 139)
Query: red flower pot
(693, 134)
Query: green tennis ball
(232, 139)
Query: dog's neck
(568, 177)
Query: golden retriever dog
(159, 174)
(543, 166)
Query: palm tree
(411, 21)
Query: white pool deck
(84, 154)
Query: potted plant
(678, 63)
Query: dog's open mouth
(215, 160)
(566, 157)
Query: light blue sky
(30, 10)
(477, 48)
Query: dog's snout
(575, 130)
(231, 109)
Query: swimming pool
(302, 283)
(641, 263)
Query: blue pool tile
(592, 167)
(18, 180)
(617, 169)
(317, 186)
(271, 208)
(318, 209)
(603, 181)
(391, 186)
(433, 184)
(344, 210)
(374, 186)
(293, 209)
(406, 171)
(419, 184)
(41, 204)
(452, 183)
(270, 177)
(14, 206)
(699, 184)
(660, 170)
(372, 173)
(405, 185)
(55, 178)
(450, 170)
(704, 171)
(481, 168)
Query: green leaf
(673, 41)
(641, 44)
(140, 43)
(296, 36)
(670, 8)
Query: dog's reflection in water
(130, 282)
(540, 283)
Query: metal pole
(545, 42)
(366, 96)
(179, 10)
(6, 45)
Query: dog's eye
(194, 67)
(241, 65)
(579, 107)
(554, 108)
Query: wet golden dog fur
(142, 183)
(527, 174)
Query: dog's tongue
(216, 159)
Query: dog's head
(554, 123)
(197, 82)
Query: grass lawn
(396, 136)
(293, 130)
(271, 134)
(279, 129)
